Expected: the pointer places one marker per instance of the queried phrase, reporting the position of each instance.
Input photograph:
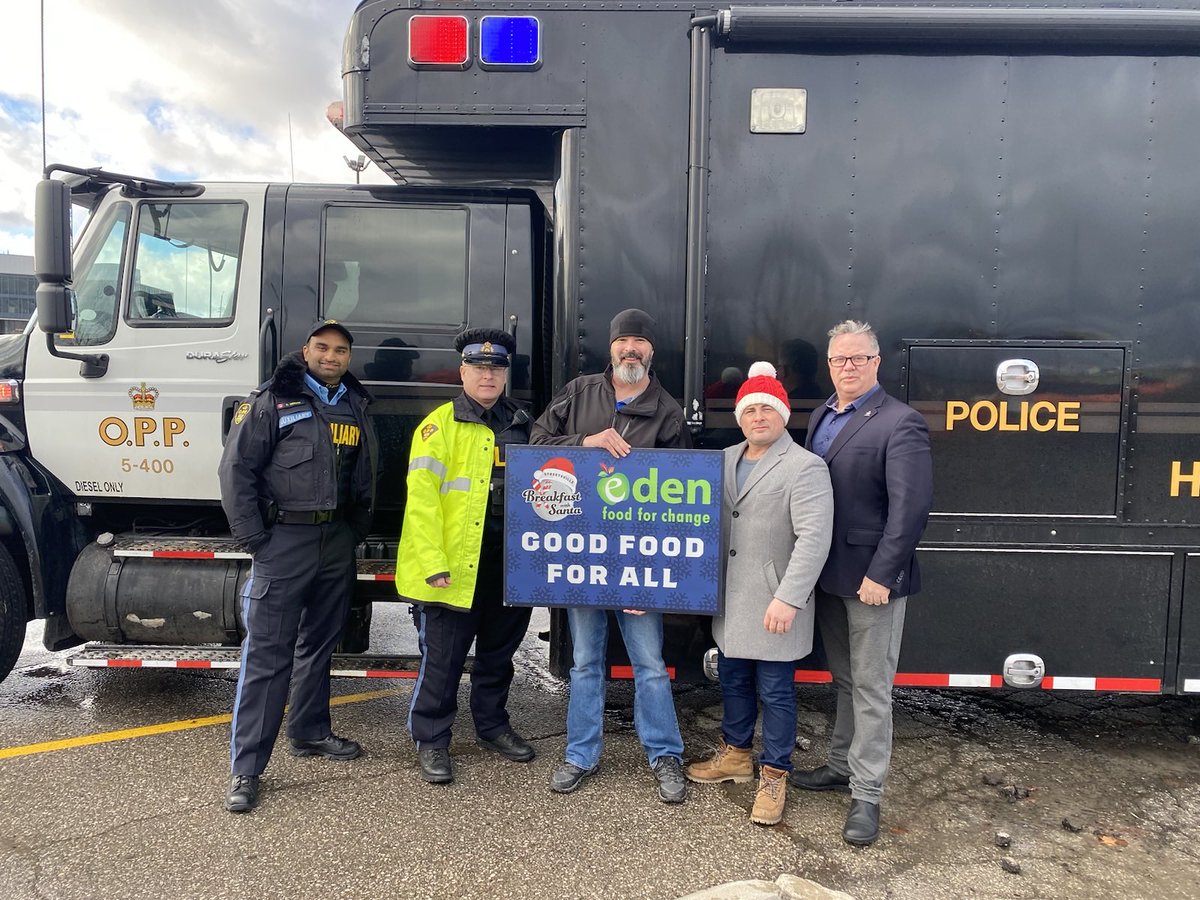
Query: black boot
(862, 823)
(822, 778)
(435, 765)
(243, 793)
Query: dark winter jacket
(588, 405)
(280, 451)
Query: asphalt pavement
(1097, 796)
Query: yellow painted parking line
(163, 728)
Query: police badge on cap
(485, 347)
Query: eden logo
(612, 486)
(615, 488)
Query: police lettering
(345, 435)
(1181, 480)
(1041, 415)
(115, 431)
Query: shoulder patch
(428, 431)
(242, 412)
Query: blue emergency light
(510, 41)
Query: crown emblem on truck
(143, 397)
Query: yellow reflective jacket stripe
(449, 472)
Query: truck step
(377, 569)
(218, 548)
(178, 548)
(124, 656)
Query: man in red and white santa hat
(776, 521)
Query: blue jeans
(743, 683)
(653, 707)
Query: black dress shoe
(243, 793)
(510, 745)
(820, 779)
(332, 747)
(435, 765)
(862, 823)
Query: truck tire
(12, 613)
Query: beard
(632, 368)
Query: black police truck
(1008, 193)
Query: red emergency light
(439, 41)
(10, 391)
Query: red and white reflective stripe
(184, 554)
(936, 679)
(224, 554)
(155, 664)
(223, 664)
(813, 676)
(1191, 685)
(1050, 683)
(626, 672)
(1129, 685)
(374, 673)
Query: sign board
(583, 528)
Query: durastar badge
(217, 356)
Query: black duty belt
(308, 516)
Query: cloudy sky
(187, 89)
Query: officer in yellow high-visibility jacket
(451, 557)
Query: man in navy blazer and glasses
(877, 451)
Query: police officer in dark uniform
(297, 485)
(451, 557)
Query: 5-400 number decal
(155, 466)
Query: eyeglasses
(839, 362)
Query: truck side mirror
(52, 236)
(54, 308)
(52, 255)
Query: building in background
(17, 287)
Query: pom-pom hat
(762, 387)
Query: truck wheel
(12, 613)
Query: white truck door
(168, 289)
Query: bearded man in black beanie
(622, 408)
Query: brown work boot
(726, 764)
(772, 794)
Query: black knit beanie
(632, 323)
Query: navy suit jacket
(882, 474)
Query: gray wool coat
(777, 533)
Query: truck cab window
(185, 268)
(395, 266)
(97, 284)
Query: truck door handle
(229, 406)
(267, 353)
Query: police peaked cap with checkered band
(486, 347)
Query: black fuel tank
(138, 600)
